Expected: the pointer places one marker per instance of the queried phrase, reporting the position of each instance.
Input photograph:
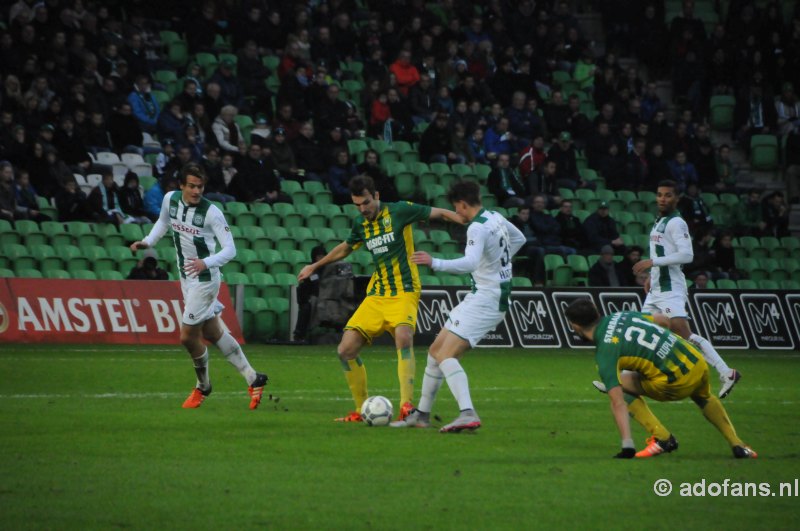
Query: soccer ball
(376, 411)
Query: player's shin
(233, 353)
(458, 382)
(356, 375)
(715, 413)
(406, 370)
(710, 353)
(431, 382)
(201, 369)
(641, 413)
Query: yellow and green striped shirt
(390, 240)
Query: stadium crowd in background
(472, 82)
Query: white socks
(201, 369)
(431, 382)
(710, 354)
(233, 353)
(457, 381)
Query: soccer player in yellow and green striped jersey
(385, 230)
(635, 358)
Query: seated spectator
(637, 170)
(189, 96)
(226, 130)
(776, 215)
(694, 210)
(725, 173)
(506, 185)
(435, 144)
(633, 254)
(72, 203)
(705, 163)
(476, 147)
(125, 131)
(283, 155)
(545, 181)
(547, 229)
(216, 188)
(97, 135)
(531, 158)
(384, 184)
(748, 218)
(164, 158)
(147, 268)
(605, 272)
(104, 201)
(332, 144)
(724, 265)
(601, 229)
(143, 104)
(26, 196)
(562, 152)
(155, 196)
(332, 111)
(260, 134)
(257, 179)
(571, 227)
(183, 156)
(402, 124)
(131, 201)
(339, 176)
(523, 122)
(9, 209)
(308, 154)
(422, 98)
(703, 260)
(657, 164)
(380, 113)
(532, 250)
(231, 92)
(172, 122)
(614, 167)
(498, 139)
(460, 145)
(405, 72)
(71, 148)
(683, 172)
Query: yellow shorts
(694, 383)
(377, 315)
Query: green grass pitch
(94, 438)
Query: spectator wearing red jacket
(406, 73)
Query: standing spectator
(605, 272)
(601, 229)
(144, 106)
(506, 185)
(406, 73)
(434, 146)
(572, 234)
(683, 172)
(547, 229)
(339, 175)
(226, 130)
(308, 154)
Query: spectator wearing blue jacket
(339, 176)
(498, 140)
(155, 196)
(143, 104)
(683, 172)
(547, 229)
(172, 123)
(523, 122)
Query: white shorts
(200, 300)
(474, 317)
(671, 304)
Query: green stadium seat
(31, 233)
(257, 238)
(746, 283)
(259, 321)
(83, 274)
(356, 146)
(280, 307)
(451, 280)
(313, 187)
(773, 248)
(6, 273)
(55, 273)
(19, 256)
(321, 198)
(769, 284)
(111, 275)
(29, 273)
(249, 261)
(580, 269)
(774, 269)
(721, 112)
(290, 187)
(483, 171)
(785, 284)
(430, 280)
(726, 283)
(271, 61)
(790, 265)
(47, 257)
(131, 232)
(521, 282)
(109, 235)
(558, 272)
(764, 152)
(8, 234)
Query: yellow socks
(356, 375)
(406, 370)
(641, 413)
(714, 411)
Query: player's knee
(346, 352)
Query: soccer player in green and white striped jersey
(670, 248)
(195, 223)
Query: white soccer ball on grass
(376, 411)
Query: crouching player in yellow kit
(637, 358)
(393, 291)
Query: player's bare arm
(642, 265)
(448, 215)
(194, 266)
(620, 410)
(422, 258)
(136, 246)
(337, 253)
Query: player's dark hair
(583, 313)
(669, 184)
(467, 191)
(195, 170)
(360, 183)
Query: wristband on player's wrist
(628, 443)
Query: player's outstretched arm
(448, 215)
(337, 253)
(620, 410)
(159, 229)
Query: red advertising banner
(88, 311)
